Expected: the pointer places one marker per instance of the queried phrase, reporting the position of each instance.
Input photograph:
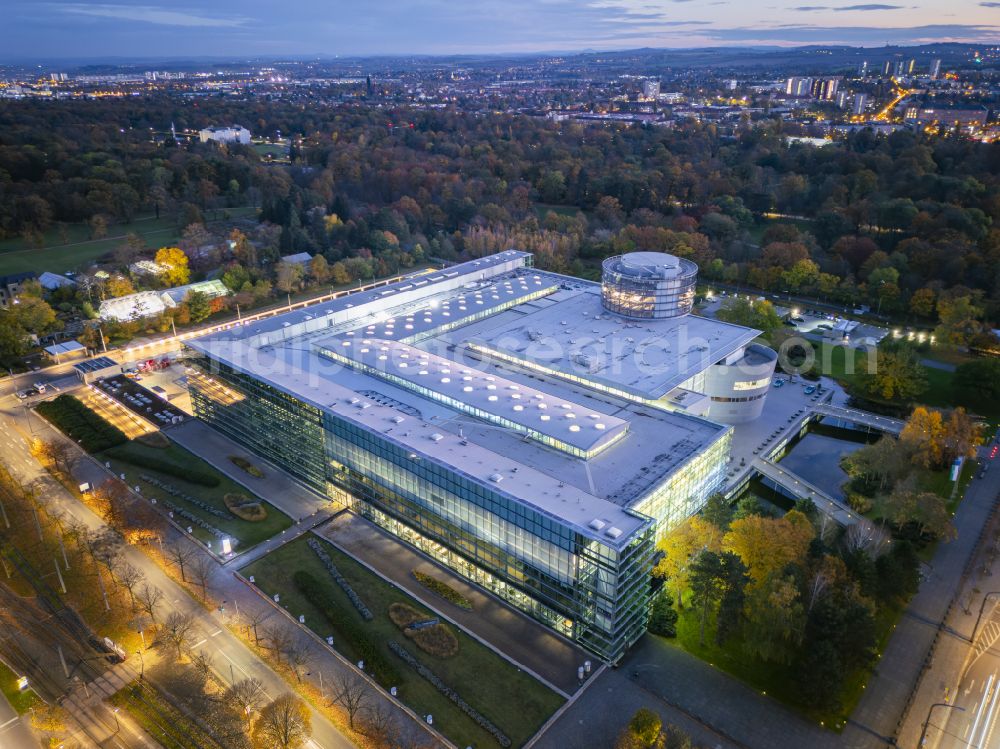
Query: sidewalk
(277, 487)
(927, 620)
(525, 642)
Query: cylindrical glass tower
(648, 285)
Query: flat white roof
(571, 333)
(495, 397)
(483, 433)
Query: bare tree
(352, 693)
(284, 723)
(299, 653)
(278, 638)
(149, 597)
(202, 570)
(254, 619)
(129, 577)
(176, 630)
(246, 696)
(867, 537)
(180, 553)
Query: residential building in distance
(10, 285)
(948, 116)
(650, 89)
(532, 431)
(935, 69)
(231, 134)
(798, 86)
(824, 89)
(859, 104)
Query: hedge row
(138, 458)
(351, 632)
(481, 720)
(442, 589)
(359, 604)
(78, 422)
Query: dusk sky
(32, 29)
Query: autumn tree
(767, 545)
(924, 436)
(893, 372)
(284, 723)
(759, 314)
(175, 265)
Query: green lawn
(513, 700)
(247, 533)
(165, 724)
(76, 249)
(275, 150)
(775, 679)
(20, 700)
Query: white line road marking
(988, 723)
(979, 712)
(12, 720)
(199, 643)
(215, 633)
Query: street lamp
(923, 732)
(982, 608)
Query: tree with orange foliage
(767, 545)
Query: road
(14, 734)
(971, 721)
(230, 657)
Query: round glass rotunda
(648, 285)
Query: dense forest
(904, 221)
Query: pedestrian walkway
(801, 488)
(529, 644)
(277, 487)
(299, 529)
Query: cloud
(990, 5)
(871, 6)
(808, 34)
(148, 14)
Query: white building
(230, 134)
(650, 89)
(152, 303)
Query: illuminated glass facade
(648, 285)
(595, 593)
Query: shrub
(442, 589)
(437, 640)
(80, 424)
(244, 507)
(136, 457)
(363, 609)
(859, 502)
(485, 723)
(352, 633)
(247, 466)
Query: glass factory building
(506, 421)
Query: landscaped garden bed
(497, 691)
(79, 423)
(196, 493)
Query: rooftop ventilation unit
(597, 524)
(613, 532)
(436, 437)
(496, 478)
(398, 419)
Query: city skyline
(306, 28)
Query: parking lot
(141, 401)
